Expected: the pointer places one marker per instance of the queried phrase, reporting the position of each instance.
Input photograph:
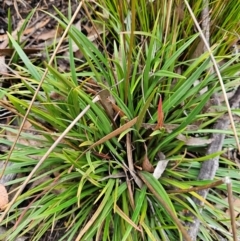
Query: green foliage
(91, 189)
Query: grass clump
(97, 182)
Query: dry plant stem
(231, 208)
(127, 219)
(131, 169)
(40, 84)
(114, 133)
(130, 163)
(129, 151)
(45, 156)
(217, 72)
(195, 189)
(206, 23)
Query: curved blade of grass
(169, 74)
(158, 191)
(136, 214)
(31, 68)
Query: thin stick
(131, 168)
(45, 156)
(195, 189)
(217, 72)
(231, 207)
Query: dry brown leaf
(3, 197)
(48, 35)
(116, 108)
(112, 134)
(92, 35)
(27, 125)
(236, 204)
(56, 96)
(4, 37)
(160, 113)
(35, 27)
(9, 52)
(146, 165)
(199, 49)
(104, 95)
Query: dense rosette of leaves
(92, 184)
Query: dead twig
(195, 189)
(231, 208)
